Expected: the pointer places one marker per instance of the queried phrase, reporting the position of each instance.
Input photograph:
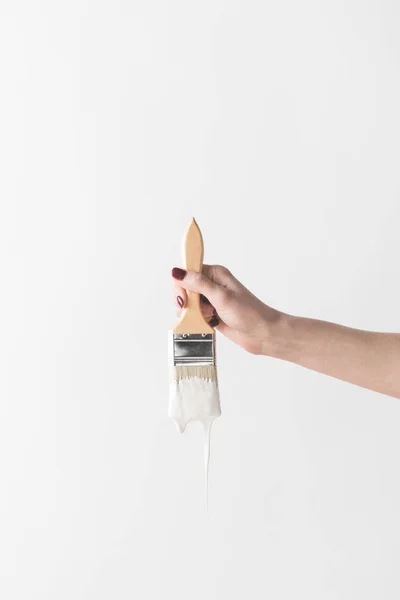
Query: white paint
(195, 399)
(207, 444)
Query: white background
(277, 125)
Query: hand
(229, 306)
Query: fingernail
(178, 273)
(179, 300)
(204, 300)
(214, 321)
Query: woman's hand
(365, 358)
(229, 306)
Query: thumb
(199, 283)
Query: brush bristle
(207, 372)
(193, 395)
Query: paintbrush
(194, 394)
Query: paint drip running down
(195, 399)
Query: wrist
(278, 343)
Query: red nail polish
(179, 300)
(178, 273)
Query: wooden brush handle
(192, 320)
(193, 248)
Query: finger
(199, 283)
(220, 275)
(180, 298)
(206, 309)
(179, 294)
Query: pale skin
(364, 358)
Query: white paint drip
(207, 439)
(195, 399)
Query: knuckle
(198, 278)
(222, 269)
(226, 295)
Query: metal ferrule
(191, 349)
